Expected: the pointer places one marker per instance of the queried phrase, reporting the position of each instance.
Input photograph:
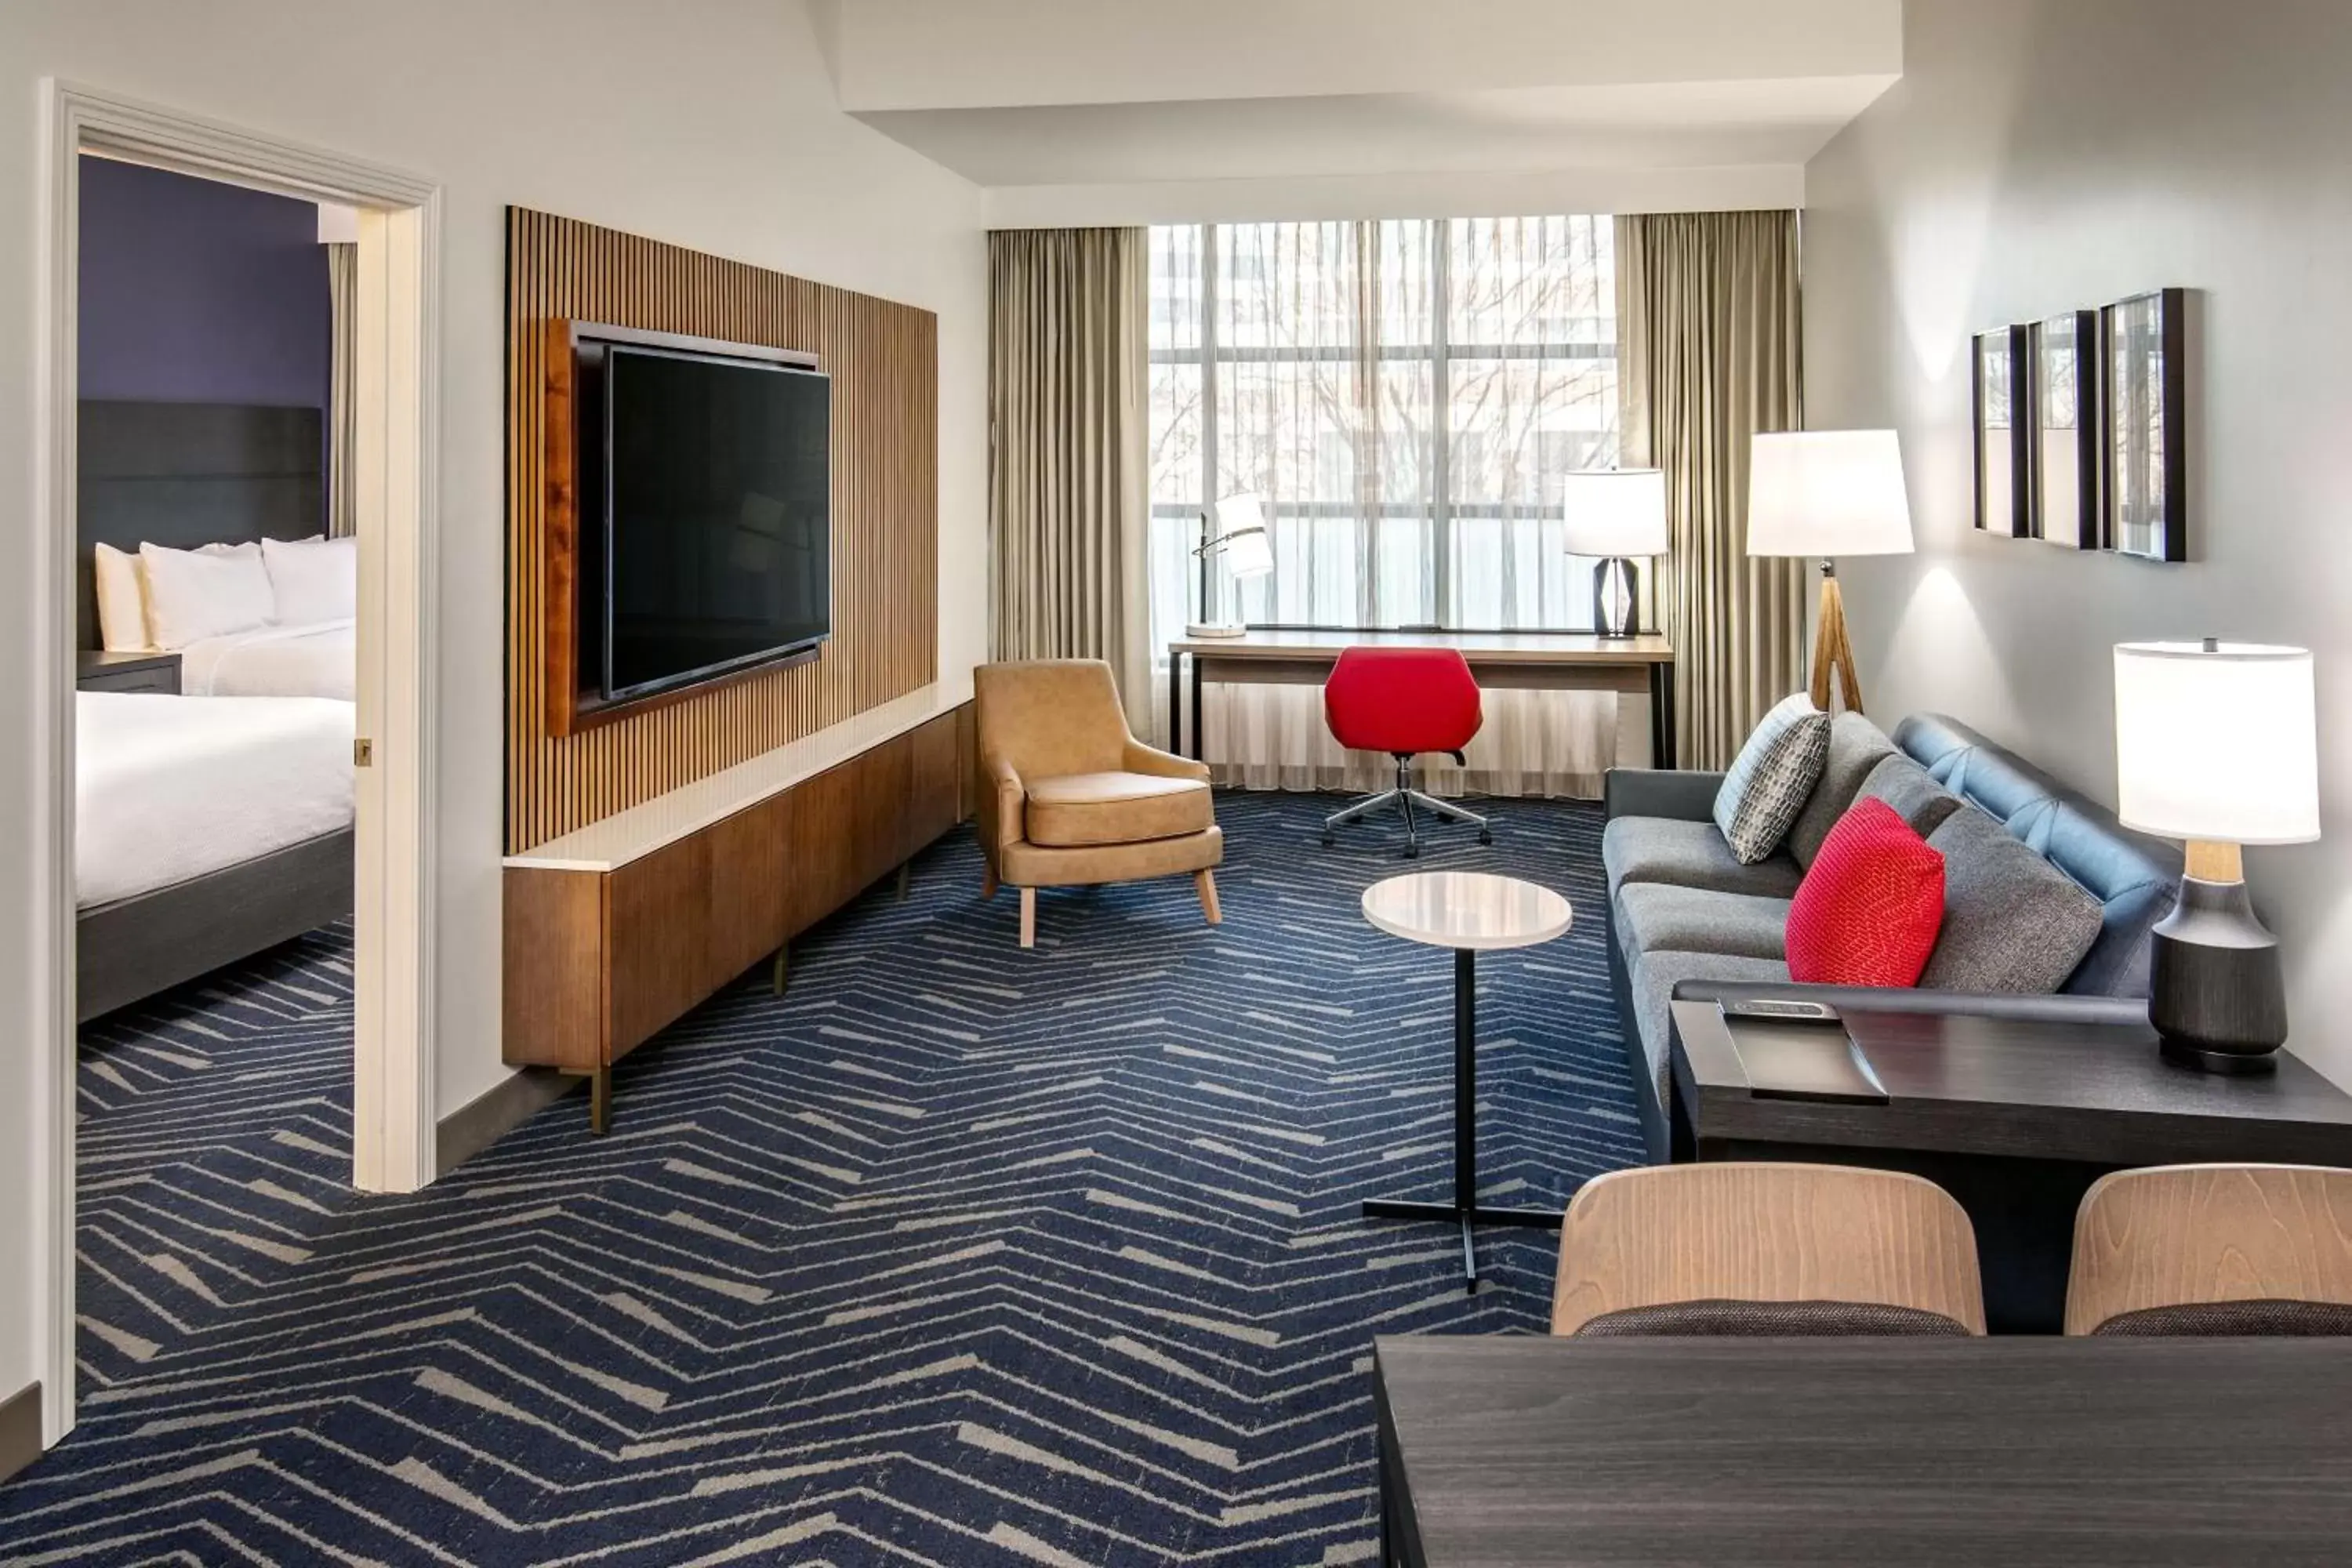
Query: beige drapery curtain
(1068, 378)
(342, 378)
(1708, 330)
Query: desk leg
(1176, 703)
(1198, 723)
(1662, 715)
(1465, 1211)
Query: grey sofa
(1687, 920)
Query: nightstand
(129, 672)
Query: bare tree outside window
(1405, 395)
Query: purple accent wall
(193, 291)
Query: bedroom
(216, 570)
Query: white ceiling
(1104, 93)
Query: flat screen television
(716, 546)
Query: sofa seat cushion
(1658, 916)
(1078, 809)
(1656, 975)
(1688, 855)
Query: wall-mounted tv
(711, 550)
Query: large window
(1405, 397)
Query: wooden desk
(1542, 661)
(2098, 1452)
(2016, 1119)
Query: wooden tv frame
(570, 709)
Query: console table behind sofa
(615, 930)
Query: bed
(315, 660)
(209, 826)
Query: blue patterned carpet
(954, 1255)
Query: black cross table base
(1466, 1210)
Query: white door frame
(396, 464)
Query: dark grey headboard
(186, 474)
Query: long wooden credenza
(617, 930)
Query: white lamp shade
(1616, 511)
(1244, 544)
(2217, 743)
(1827, 492)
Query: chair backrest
(1402, 699)
(1660, 1248)
(1050, 716)
(2244, 1250)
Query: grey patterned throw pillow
(1772, 778)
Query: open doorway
(240, 850)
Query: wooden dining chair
(2213, 1250)
(1766, 1250)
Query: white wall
(708, 123)
(2042, 155)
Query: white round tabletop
(1466, 910)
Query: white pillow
(193, 594)
(313, 579)
(121, 600)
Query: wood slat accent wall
(884, 361)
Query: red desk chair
(1404, 701)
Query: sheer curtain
(1405, 396)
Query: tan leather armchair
(1068, 797)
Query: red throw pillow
(1871, 905)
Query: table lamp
(2216, 744)
(1615, 515)
(1235, 530)
(1828, 493)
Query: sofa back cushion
(2013, 921)
(2135, 878)
(1916, 798)
(1857, 746)
(1871, 905)
(1770, 780)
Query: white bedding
(172, 787)
(313, 660)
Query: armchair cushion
(1074, 810)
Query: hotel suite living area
(1248, 783)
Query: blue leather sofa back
(2135, 877)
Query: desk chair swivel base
(1405, 797)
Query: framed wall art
(2145, 444)
(2003, 432)
(2066, 361)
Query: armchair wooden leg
(1205, 884)
(987, 880)
(1028, 917)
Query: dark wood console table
(2015, 1120)
(1522, 1452)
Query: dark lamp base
(2215, 992)
(2231, 1064)
(1616, 597)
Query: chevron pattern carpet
(954, 1255)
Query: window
(1405, 397)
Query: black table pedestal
(1464, 1210)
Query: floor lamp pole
(1833, 651)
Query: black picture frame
(2067, 374)
(2143, 432)
(1998, 374)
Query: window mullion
(1441, 423)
